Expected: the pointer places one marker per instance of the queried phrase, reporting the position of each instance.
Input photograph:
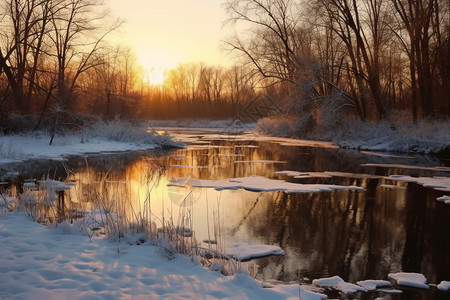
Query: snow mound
(415, 280)
(243, 251)
(338, 283)
(259, 184)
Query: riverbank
(99, 137)
(426, 137)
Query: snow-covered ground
(37, 262)
(424, 137)
(115, 136)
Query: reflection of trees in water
(344, 233)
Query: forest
(320, 62)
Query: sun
(156, 65)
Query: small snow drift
(243, 251)
(415, 280)
(259, 184)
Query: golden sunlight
(165, 34)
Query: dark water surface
(390, 227)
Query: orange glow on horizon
(164, 34)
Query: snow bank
(259, 184)
(425, 137)
(415, 280)
(339, 284)
(40, 263)
(244, 251)
(101, 137)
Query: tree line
(367, 57)
(317, 60)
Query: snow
(326, 174)
(20, 148)
(339, 284)
(244, 251)
(373, 284)
(416, 280)
(444, 286)
(37, 262)
(445, 199)
(260, 161)
(259, 184)
(437, 183)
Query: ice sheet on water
(437, 183)
(326, 174)
(259, 184)
(338, 283)
(244, 251)
(416, 280)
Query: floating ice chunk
(373, 284)
(303, 292)
(193, 167)
(445, 199)
(390, 291)
(328, 281)
(243, 251)
(437, 183)
(326, 174)
(339, 284)
(260, 162)
(259, 184)
(444, 286)
(416, 280)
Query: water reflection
(390, 227)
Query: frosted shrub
(276, 126)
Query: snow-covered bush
(425, 137)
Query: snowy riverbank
(114, 136)
(424, 137)
(38, 262)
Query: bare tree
(77, 35)
(272, 41)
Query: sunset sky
(165, 33)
